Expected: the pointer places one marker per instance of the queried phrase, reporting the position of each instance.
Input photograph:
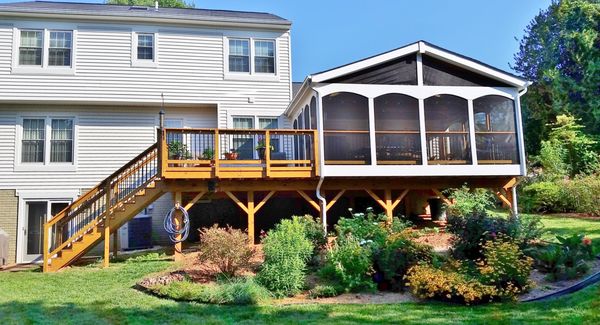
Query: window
(264, 56)
(61, 142)
(447, 130)
(271, 123)
(397, 136)
(248, 57)
(145, 47)
(239, 55)
(57, 134)
(243, 144)
(31, 47)
(32, 148)
(346, 129)
(495, 130)
(59, 52)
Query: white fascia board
(472, 65)
(420, 170)
(152, 20)
(363, 64)
(289, 111)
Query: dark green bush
(369, 228)
(544, 196)
(350, 264)
(468, 201)
(397, 256)
(473, 230)
(314, 230)
(286, 249)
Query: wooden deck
(238, 154)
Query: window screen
(313, 113)
(447, 130)
(495, 130)
(346, 129)
(397, 130)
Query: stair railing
(100, 202)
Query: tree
(150, 3)
(560, 53)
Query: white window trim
(252, 75)
(44, 69)
(135, 62)
(46, 165)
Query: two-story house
(81, 87)
(84, 148)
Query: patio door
(35, 215)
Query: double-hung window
(31, 47)
(59, 51)
(47, 141)
(239, 55)
(145, 46)
(264, 56)
(44, 49)
(251, 56)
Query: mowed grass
(561, 226)
(90, 295)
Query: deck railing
(238, 153)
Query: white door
(36, 213)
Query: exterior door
(36, 214)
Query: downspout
(515, 207)
(320, 197)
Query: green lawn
(89, 295)
(568, 226)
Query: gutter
(320, 197)
(173, 20)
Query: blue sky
(329, 33)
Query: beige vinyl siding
(190, 71)
(107, 138)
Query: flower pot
(231, 155)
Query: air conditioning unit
(137, 233)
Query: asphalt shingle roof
(98, 9)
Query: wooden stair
(81, 226)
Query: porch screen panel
(397, 130)
(495, 130)
(447, 130)
(32, 148)
(346, 129)
(61, 142)
(313, 113)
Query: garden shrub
(505, 266)
(427, 282)
(543, 196)
(286, 249)
(397, 256)
(369, 228)
(238, 291)
(323, 291)
(350, 264)
(314, 230)
(564, 260)
(473, 230)
(227, 249)
(468, 202)
(583, 194)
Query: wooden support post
(251, 217)
(389, 209)
(105, 262)
(217, 153)
(267, 153)
(177, 255)
(387, 203)
(503, 198)
(442, 196)
(46, 237)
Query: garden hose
(171, 226)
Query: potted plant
(208, 154)
(261, 148)
(231, 155)
(178, 150)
